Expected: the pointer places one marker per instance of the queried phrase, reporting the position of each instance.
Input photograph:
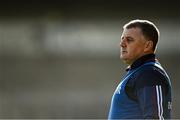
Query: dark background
(60, 59)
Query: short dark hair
(149, 30)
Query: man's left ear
(149, 45)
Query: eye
(130, 39)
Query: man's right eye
(129, 40)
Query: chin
(125, 60)
(123, 57)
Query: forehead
(132, 32)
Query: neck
(131, 62)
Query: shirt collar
(142, 60)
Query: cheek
(132, 48)
(135, 49)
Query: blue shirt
(144, 93)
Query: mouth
(123, 51)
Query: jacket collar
(140, 61)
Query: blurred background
(60, 59)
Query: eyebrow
(128, 37)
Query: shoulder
(150, 76)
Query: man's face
(132, 45)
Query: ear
(148, 46)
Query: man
(145, 91)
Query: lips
(124, 51)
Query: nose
(122, 43)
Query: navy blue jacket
(144, 93)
